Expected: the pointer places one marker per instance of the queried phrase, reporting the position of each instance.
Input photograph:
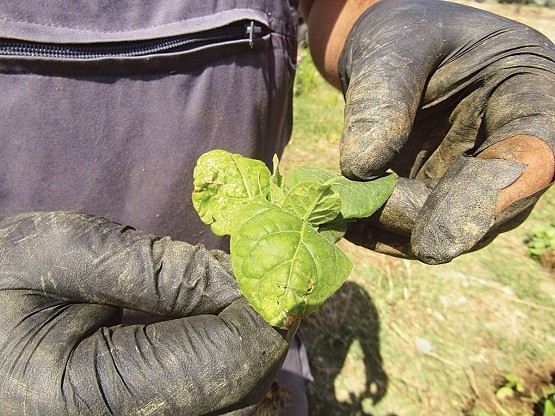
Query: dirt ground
(540, 18)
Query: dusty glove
(428, 86)
(64, 279)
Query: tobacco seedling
(283, 231)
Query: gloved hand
(64, 279)
(457, 102)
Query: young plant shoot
(283, 231)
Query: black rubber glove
(63, 281)
(428, 85)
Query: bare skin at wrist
(329, 23)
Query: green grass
(404, 338)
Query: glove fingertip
(434, 245)
(375, 132)
(363, 158)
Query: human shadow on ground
(349, 315)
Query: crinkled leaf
(313, 202)
(284, 267)
(359, 199)
(283, 234)
(223, 183)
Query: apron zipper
(249, 31)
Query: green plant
(283, 232)
(541, 240)
(512, 385)
(543, 402)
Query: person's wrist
(330, 23)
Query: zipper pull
(252, 31)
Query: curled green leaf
(313, 203)
(224, 182)
(359, 199)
